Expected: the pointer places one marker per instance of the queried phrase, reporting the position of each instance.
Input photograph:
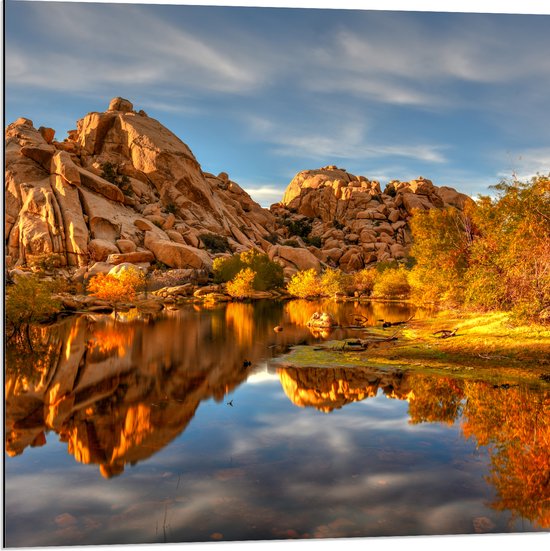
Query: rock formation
(59, 200)
(123, 188)
(353, 222)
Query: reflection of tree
(515, 424)
(239, 317)
(300, 311)
(436, 399)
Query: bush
(110, 172)
(215, 243)
(392, 283)
(171, 208)
(273, 238)
(363, 280)
(305, 284)
(241, 286)
(291, 243)
(313, 241)
(268, 274)
(333, 281)
(116, 288)
(300, 228)
(29, 301)
(46, 262)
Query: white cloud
(345, 140)
(265, 195)
(527, 163)
(133, 48)
(404, 61)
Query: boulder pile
(349, 221)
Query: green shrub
(392, 283)
(299, 228)
(269, 274)
(338, 225)
(171, 207)
(313, 241)
(29, 300)
(110, 172)
(291, 243)
(46, 262)
(273, 238)
(215, 243)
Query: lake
(186, 427)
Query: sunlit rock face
(327, 389)
(356, 222)
(58, 198)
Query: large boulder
(177, 255)
(300, 258)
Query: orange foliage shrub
(116, 288)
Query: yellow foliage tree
(333, 281)
(392, 283)
(305, 284)
(363, 280)
(241, 285)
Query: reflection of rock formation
(327, 389)
(119, 392)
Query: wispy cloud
(404, 61)
(345, 140)
(144, 50)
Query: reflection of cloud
(261, 377)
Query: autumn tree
(305, 284)
(509, 265)
(117, 288)
(29, 300)
(441, 244)
(268, 274)
(241, 286)
(333, 281)
(392, 283)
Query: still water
(185, 428)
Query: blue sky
(263, 93)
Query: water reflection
(118, 392)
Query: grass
(485, 345)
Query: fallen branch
(445, 333)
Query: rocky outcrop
(61, 199)
(350, 221)
(123, 184)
